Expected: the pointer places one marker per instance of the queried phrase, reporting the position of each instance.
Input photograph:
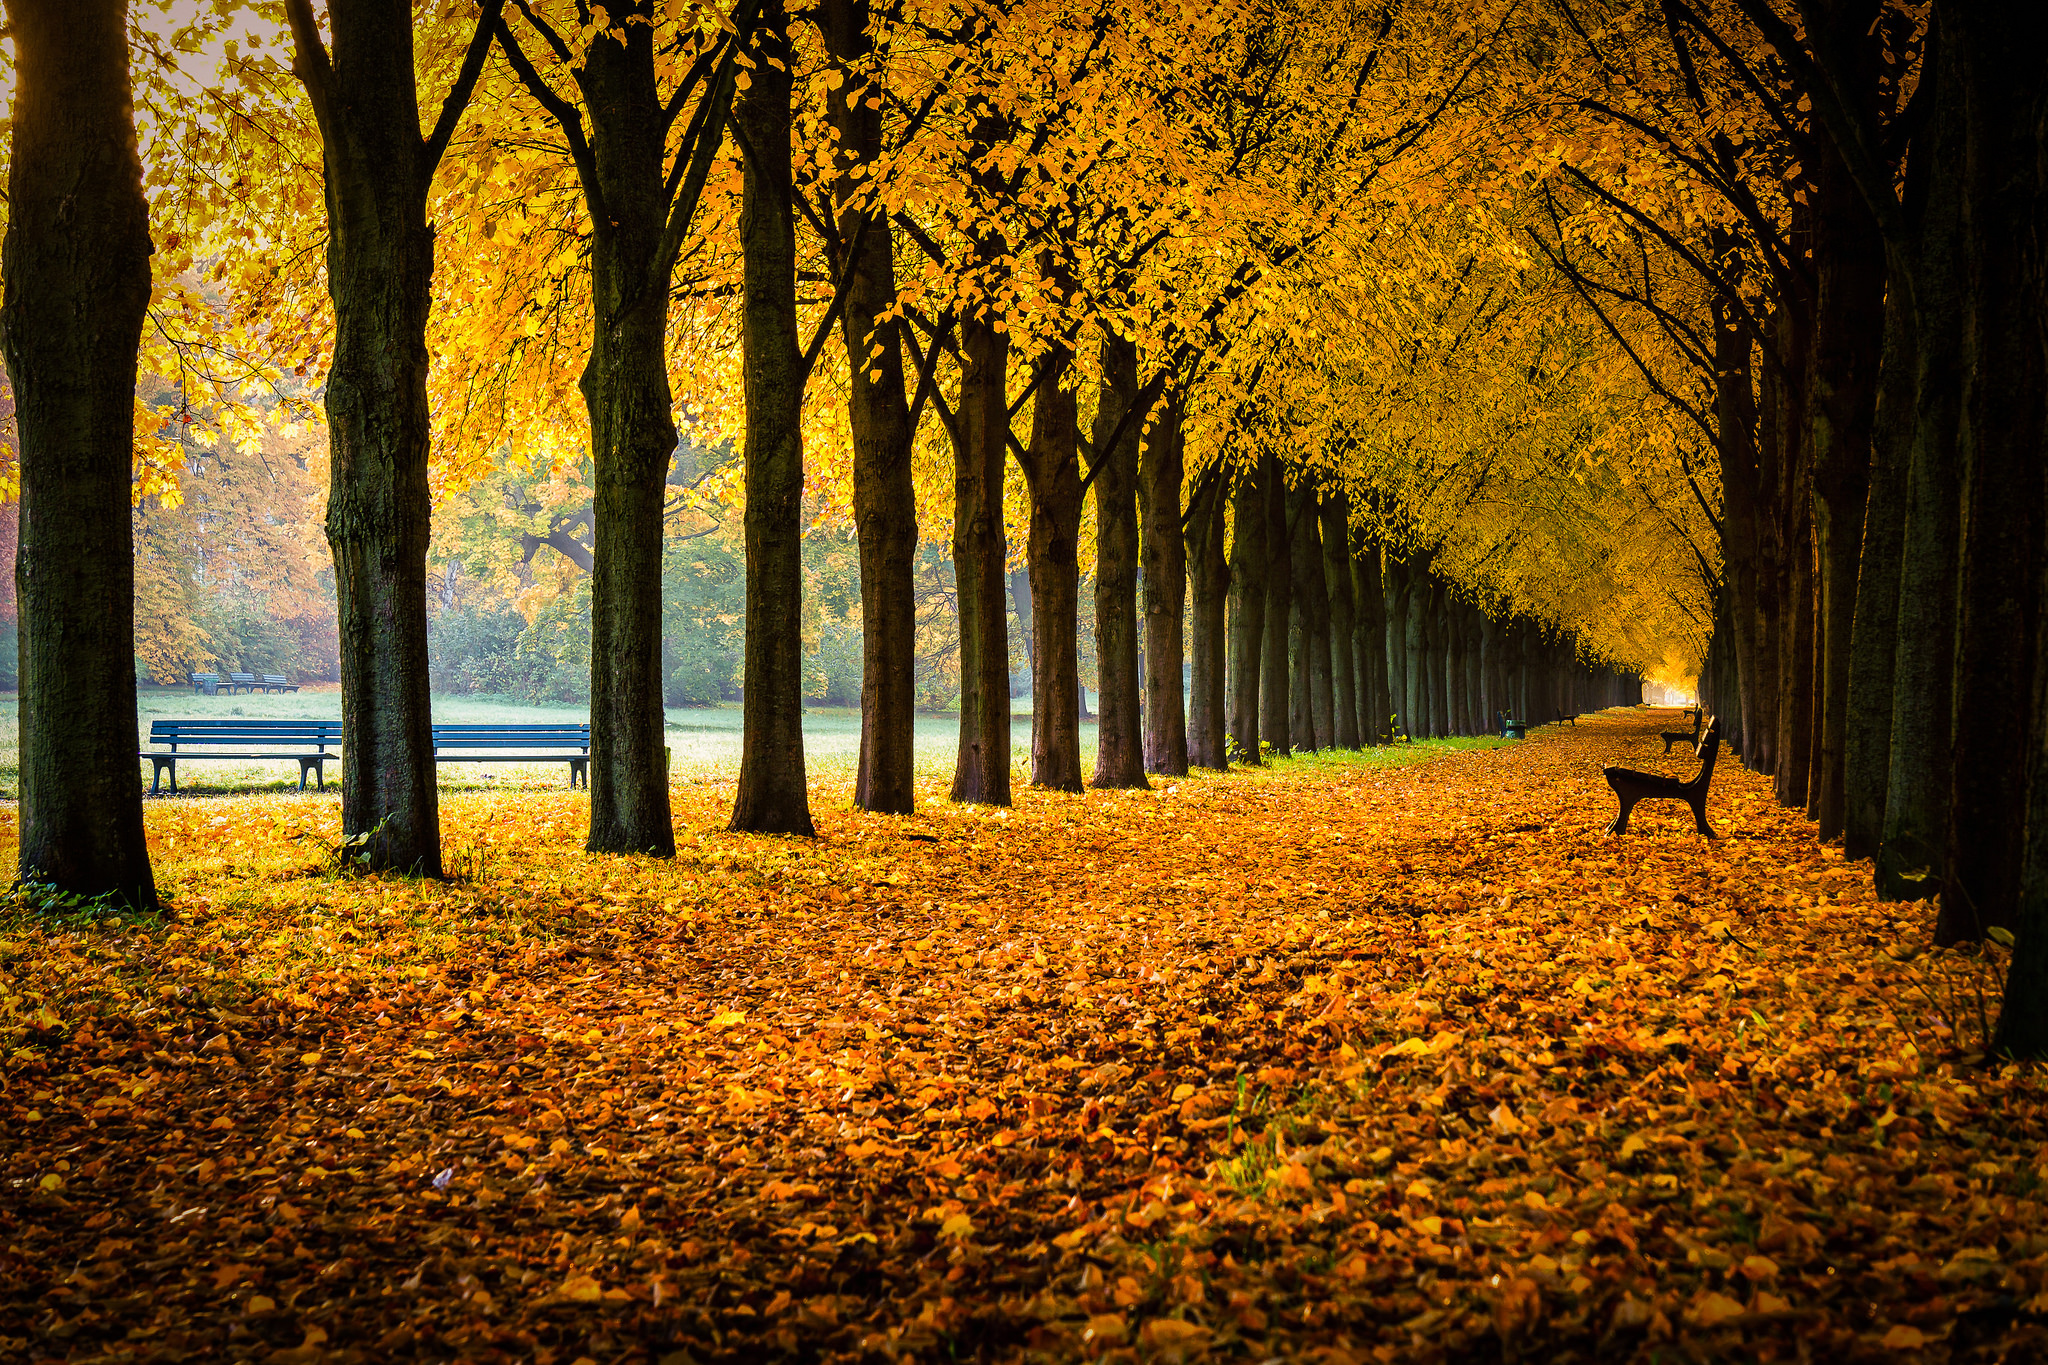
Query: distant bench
(306, 742)
(1631, 786)
(309, 744)
(210, 684)
(551, 743)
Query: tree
(641, 203)
(380, 268)
(76, 260)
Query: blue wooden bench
(516, 744)
(307, 742)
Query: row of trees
(1176, 240)
(1838, 276)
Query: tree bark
(1247, 613)
(773, 797)
(1313, 592)
(1368, 594)
(981, 772)
(1165, 590)
(1873, 646)
(1052, 475)
(633, 438)
(1336, 545)
(1119, 746)
(1399, 576)
(2002, 471)
(1416, 653)
(1275, 696)
(1848, 334)
(380, 266)
(1209, 583)
(1909, 859)
(76, 262)
(884, 500)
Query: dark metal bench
(554, 743)
(242, 682)
(1565, 717)
(306, 742)
(1631, 786)
(1692, 736)
(278, 682)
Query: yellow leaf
(1760, 1267)
(1715, 1308)
(1904, 1338)
(582, 1289)
(959, 1225)
(728, 1019)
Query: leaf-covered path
(1368, 1061)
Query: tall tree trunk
(981, 772)
(1873, 646)
(380, 267)
(1336, 529)
(1209, 583)
(1735, 447)
(633, 436)
(1247, 613)
(1795, 509)
(77, 289)
(1398, 577)
(1052, 473)
(1166, 584)
(1313, 590)
(1489, 675)
(772, 797)
(1119, 746)
(1910, 857)
(1273, 674)
(1301, 723)
(1416, 652)
(1848, 335)
(884, 501)
(1368, 596)
(2003, 463)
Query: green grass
(704, 742)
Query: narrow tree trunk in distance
(1399, 577)
(1369, 596)
(1052, 473)
(1166, 583)
(1209, 583)
(1910, 857)
(1309, 572)
(1336, 546)
(380, 266)
(1274, 675)
(1489, 675)
(632, 438)
(1301, 725)
(1874, 639)
(884, 501)
(1848, 339)
(77, 289)
(772, 797)
(1247, 613)
(1416, 650)
(1119, 745)
(981, 772)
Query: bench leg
(1619, 824)
(1699, 816)
(579, 768)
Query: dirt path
(1386, 1063)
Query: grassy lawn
(705, 742)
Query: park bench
(1513, 729)
(242, 682)
(1692, 736)
(541, 743)
(1570, 718)
(1631, 786)
(206, 684)
(278, 682)
(306, 742)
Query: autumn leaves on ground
(1353, 1061)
